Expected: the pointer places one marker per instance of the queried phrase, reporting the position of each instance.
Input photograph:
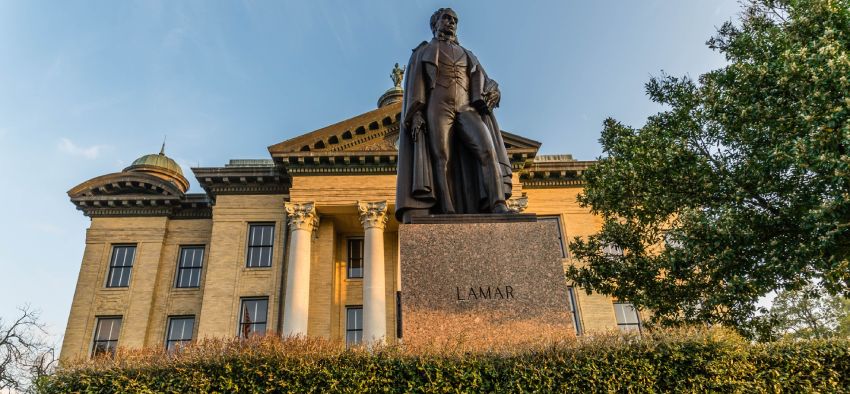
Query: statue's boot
(501, 208)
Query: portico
(371, 282)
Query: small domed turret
(161, 166)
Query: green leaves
(673, 361)
(748, 170)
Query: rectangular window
(574, 310)
(355, 258)
(260, 245)
(180, 329)
(353, 325)
(557, 221)
(627, 316)
(189, 267)
(106, 336)
(120, 265)
(252, 317)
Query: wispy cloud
(69, 147)
(339, 24)
(47, 228)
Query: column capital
(302, 216)
(373, 214)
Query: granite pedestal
(482, 285)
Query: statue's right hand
(417, 125)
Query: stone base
(482, 285)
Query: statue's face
(447, 24)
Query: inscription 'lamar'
(485, 293)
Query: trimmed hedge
(712, 361)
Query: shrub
(681, 361)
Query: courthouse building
(277, 244)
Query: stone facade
(346, 173)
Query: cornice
(242, 180)
(191, 206)
(553, 174)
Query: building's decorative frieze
(373, 214)
(190, 206)
(341, 169)
(302, 216)
(127, 212)
(518, 204)
(550, 183)
(554, 171)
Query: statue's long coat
(414, 187)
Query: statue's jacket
(415, 180)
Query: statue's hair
(436, 17)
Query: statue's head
(444, 21)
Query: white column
(373, 216)
(302, 221)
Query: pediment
(372, 132)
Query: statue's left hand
(492, 97)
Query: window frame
(574, 310)
(249, 248)
(240, 330)
(111, 344)
(348, 257)
(111, 267)
(561, 233)
(350, 308)
(180, 268)
(178, 342)
(624, 326)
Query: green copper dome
(161, 166)
(156, 160)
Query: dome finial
(162, 151)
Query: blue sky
(88, 86)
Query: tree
(808, 313)
(24, 356)
(741, 186)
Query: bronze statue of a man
(451, 155)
